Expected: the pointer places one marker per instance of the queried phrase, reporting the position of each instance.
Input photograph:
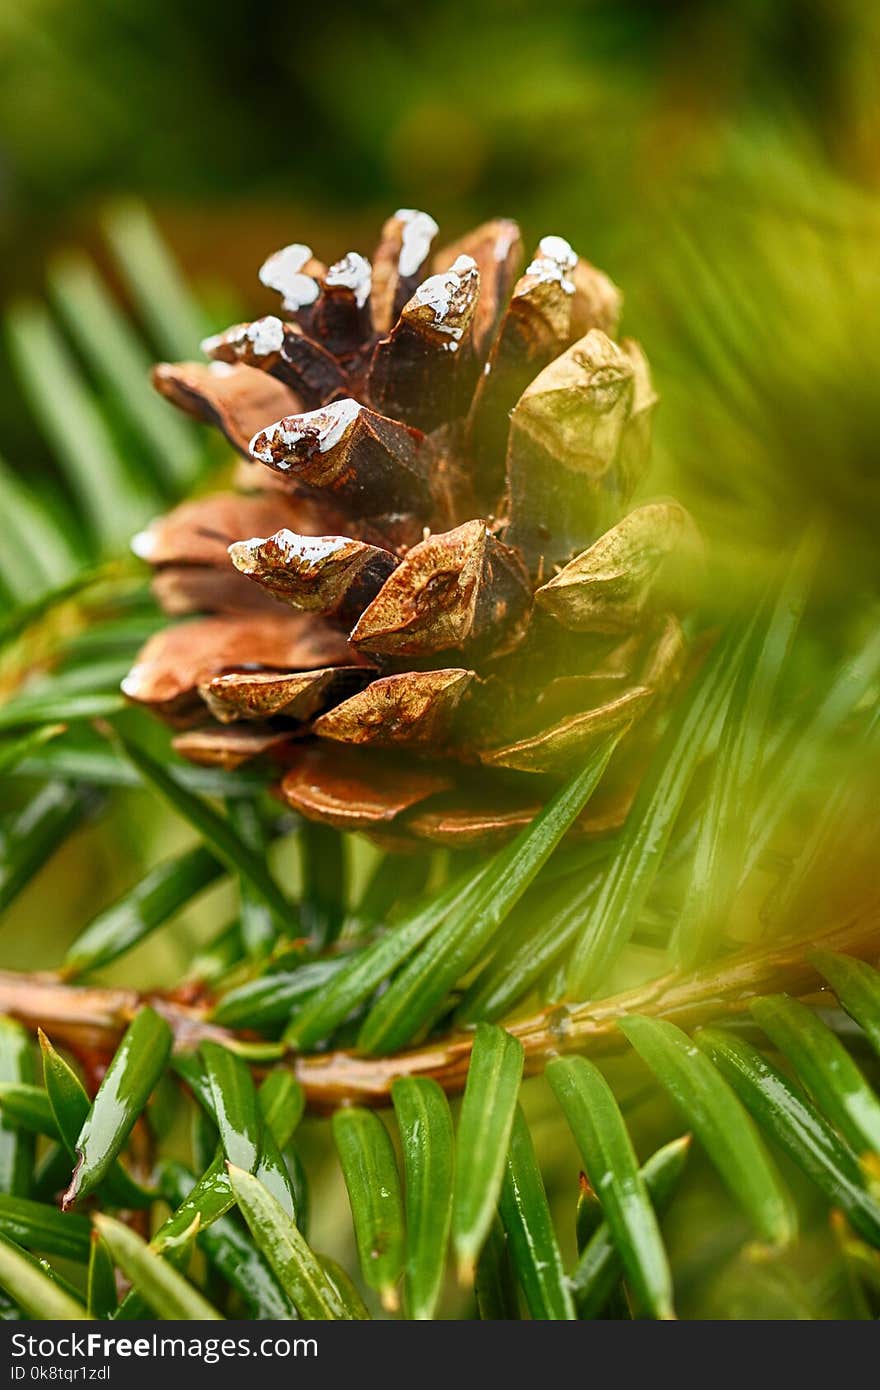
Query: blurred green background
(720, 160)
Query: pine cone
(425, 601)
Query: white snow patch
(353, 272)
(556, 248)
(438, 292)
(143, 544)
(310, 550)
(132, 684)
(419, 230)
(266, 335)
(295, 550)
(321, 429)
(555, 261)
(283, 272)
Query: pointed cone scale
(607, 587)
(361, 459)
(323, 574)
(298, 695)
(284, 352)
(238, 399)
(413, 709)
(425, 370)
(565, 434)
(461, 589)
(176, 661)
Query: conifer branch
(90, 1020)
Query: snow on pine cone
(426, 601)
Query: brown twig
(94, 1018)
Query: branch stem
(92, 1019)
